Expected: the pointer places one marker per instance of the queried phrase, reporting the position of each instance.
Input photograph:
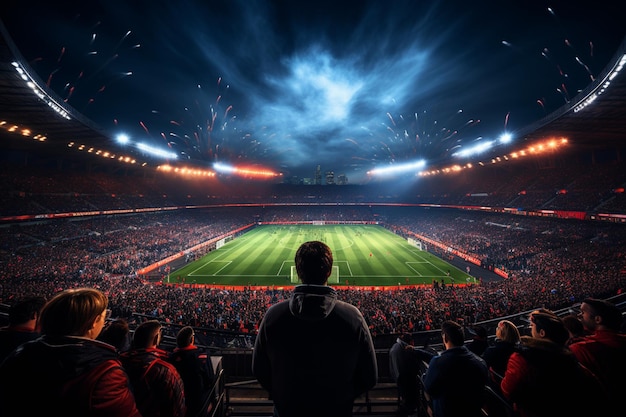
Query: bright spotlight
(223, 167)
(474, 150)
(396, 169)
(156, 151)
(506, 138)
(122, 139)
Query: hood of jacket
(142, 357)
(67, 357)
(545, 353)
(312, 302)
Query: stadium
(540, 223)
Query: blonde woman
(497, 354)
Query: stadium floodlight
(474, 150)
(41, 92)
(156, 151)
(223, 167)
(248, 172)
(397, 169)
(602, 86)
(122, 139)
(506, 138)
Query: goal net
(332, 279)
(415, 242)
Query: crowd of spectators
(551, 263)
(568, 184)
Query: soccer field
(365, 255)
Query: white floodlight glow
(156, 151)
(223, 167)
(474, 150)
(122, 139)
(40, 92)
(506, 138)
(587, 101)
(396, 169)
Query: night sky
(289, 85)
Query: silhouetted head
(548, 326)
(314, 262)
(147, 335)
(185, 337)
(452, 333)
(596, 313)
(116, 333)
(25, 310)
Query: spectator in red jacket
(158, 387)
(67, 372)
(544, 379)
(604, 351)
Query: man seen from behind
(314, 353)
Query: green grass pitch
(366, 255)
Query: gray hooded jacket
(314, 354)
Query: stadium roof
(22, 107)
(600, 124)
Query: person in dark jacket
(195, 368)
(497, 355)
(455, 379)
(117, 334)
(404, 367)
(314, 353)
(575, 328)
(158, 387)
(23, 324)
(66, 372)
(480, 339)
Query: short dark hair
(453, 332)
(573, 325)
(116, 333)
(479, 332)
(611, 316)
(145, 333)
(25, 309)
(184, 337)
(552, 325)
(407, 338)
(314, 262)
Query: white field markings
(408, 265)
(282, 265)
(220, 252)
(219, 270)
(233, 244)
(288, 263)
(443, 272)
(421, 260)
(419, 254)
(347, 266)
(424, 260)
